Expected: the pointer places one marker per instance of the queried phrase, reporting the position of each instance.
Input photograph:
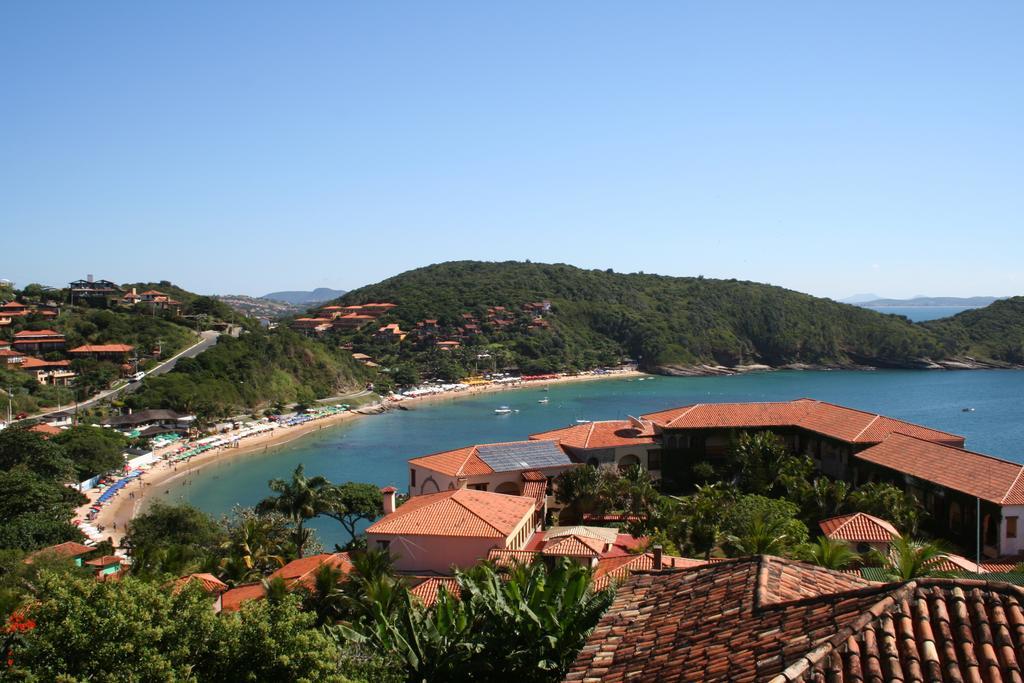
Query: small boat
(967, 410)
(543, 400)
(503, 410)
(582, 422)
(546, 389)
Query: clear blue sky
(831, 147)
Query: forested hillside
(602, 316)
(995, 332)
(258, 369)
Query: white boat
(543, 400)
(582, 422)
(503, 410)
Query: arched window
(508, 487)
(628, 461)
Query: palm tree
(325, 598)
(828, 553)
(300, 499)
(763, 538)
(910, 559)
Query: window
(478, 487)
(654, 460)
(383, 545)
(1011, 527)
(412, 477)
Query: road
(207, 339)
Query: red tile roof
(45, 429)
(614, 569)
(573, 546)
(768, 619)
(428, 589)
(984, 476)
(66, 549)
(461, 512)
(604, 434)
(461, 462)
(208, 582)
(506, 558)
(233, 599)
(103, 348)
(35, 363)
(859, 527)
(33, 334)
(828, 419)
(303, 571)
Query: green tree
(765, 466)
(758, 524)
(255, 545)
(173, 539)
(911, 559)
(93, 450)
(19, 446)
(300, 499)
(890, 503)
(828, 553)
(354, 502)
(36, 511)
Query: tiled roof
(303, 570)
(461, 512)
(603, 534)
(32, 334)
(859, 527)
(104, 561)
(208, 582)
(232, 600)
(986, 477)
(614, 569)
(604, 434)
(103, 348)
(427, 589)
(574, 546)
(828, 419)
(66, 549)
(45, 429)
(467, 462)
(35, 363)
(767, 619)
(506, 558)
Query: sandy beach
(115, 516)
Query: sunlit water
(374, 449)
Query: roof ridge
(944, 445)
(1014, 484)
(683, 414)
(867, 426)
(474, 512)
(590, 434)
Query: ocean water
(374, 449)
(921, 313)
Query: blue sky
(828, 147)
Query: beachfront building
(38, 341)
(770, 619)
(435, 532)
(610, 443)
(165, 418)
(70, 550)
(518, 468)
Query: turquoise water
(921, 313)
(375, 448)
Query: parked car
(138, 377)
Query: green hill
(598, 317)
(995, 332)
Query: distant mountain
(859, 298)
(964, 302)
(302, 298)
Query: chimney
(388, 497)
(657, 557)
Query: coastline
(132, 500)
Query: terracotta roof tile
(303, 571)
(614, 569)
(574, 546)
(828, 419)
(208, 582)
(66, 549)
(461, 512)
(984, 476)
(506, 558)
(602, 434)
(428, 589)
(859, 527)
(233, 599)
(102, 348)
(467, 462)
(714, 623)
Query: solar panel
(524, 455)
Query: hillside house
(52, 372)
(38, 341)
(115, 353)
(434, 532)
(95, 292)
